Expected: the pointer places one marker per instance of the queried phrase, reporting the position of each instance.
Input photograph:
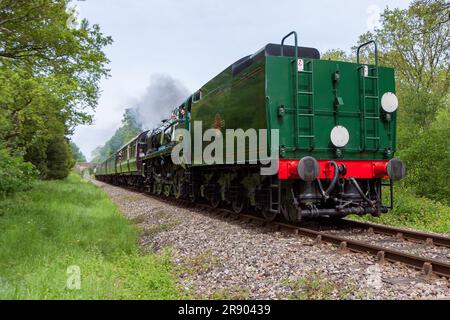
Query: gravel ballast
(217, 258)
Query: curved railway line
(429, 266)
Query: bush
(15, 174)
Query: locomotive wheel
(215, 201)
(159, 188)
(177, 187)
(167, 190)
(238, 205)
(238, 197)
(290, 212)
(269, 216)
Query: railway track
(401, 233)
(429, 266)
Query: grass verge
(59, 227)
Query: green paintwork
(126, 166)
(233, 103)
(319, 109)
(253, 100)
(263, 96)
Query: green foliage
(77, 155)
(49, 75)
(130, 129)
(72, 223)
(59, 158)
(36, 34)
(15, 174)
(428, 160)
(415, 212)
(417, 113)
(337, 55)
(416, 43)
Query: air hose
(326, 193)
(358, 188)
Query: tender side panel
(232, 103)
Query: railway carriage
(337, 138)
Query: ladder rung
(305, 71)
(371, 97)
(371, 77)
(372, 118)
(373, 138)
(309, 137)
(306, 115)
(305, 92)
(274, 185)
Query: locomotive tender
(337, 138)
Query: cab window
(197, 96)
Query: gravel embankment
(215, 258)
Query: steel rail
(413, 235)
(428, 265)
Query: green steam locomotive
(327, 127)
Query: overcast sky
(193, 40)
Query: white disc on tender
(389, 102)
(340, 136)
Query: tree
(428, 159)
(130, 128)
(35, 35)
(59, 157)
(416, 43)
(337, 55)
(77, 155)
(49, 75)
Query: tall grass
(67, 223)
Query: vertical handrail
(295, 72)
(377, 83)
(364, 109)
(296, 43)
(313, 144)
(358, 51)
(361, 99)
(269, 126)
(358, 60)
